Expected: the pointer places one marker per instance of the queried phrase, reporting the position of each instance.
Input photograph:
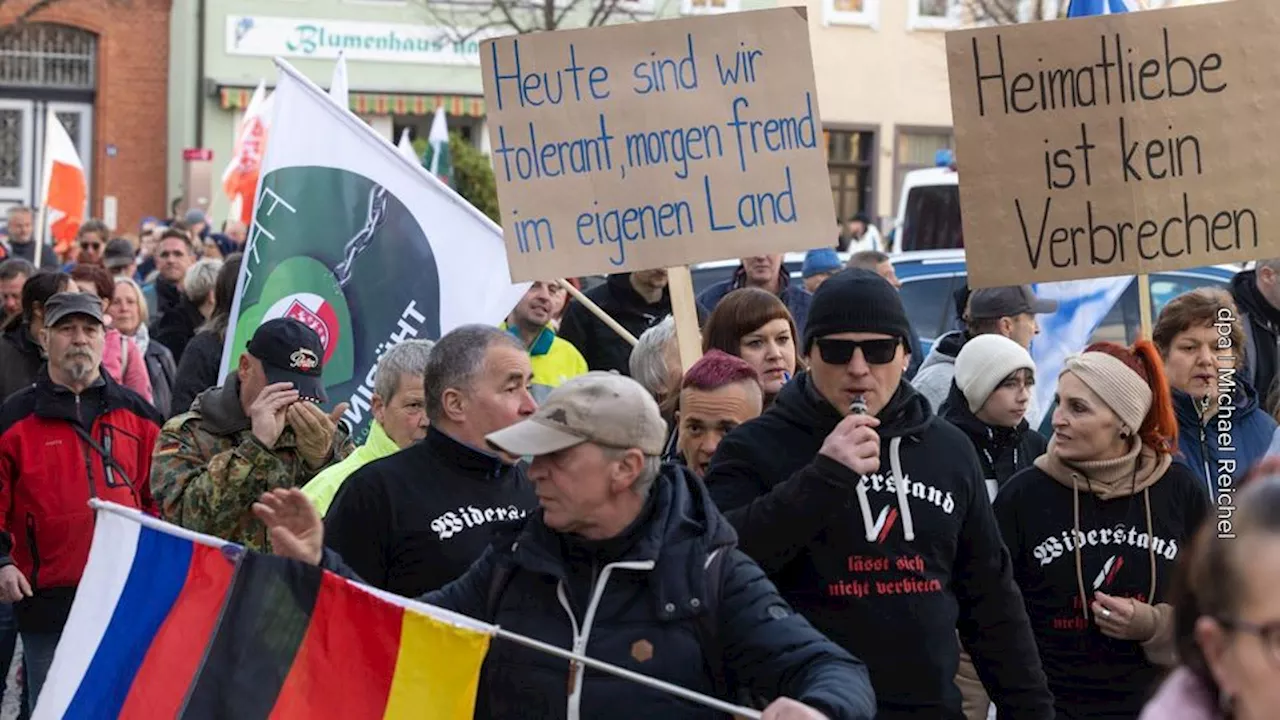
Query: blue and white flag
(1082, 8)
(1082, 304)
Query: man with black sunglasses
(871, 516)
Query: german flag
(164, 627)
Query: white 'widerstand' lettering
(1224, 492)
(466, 518)
(918, 490)
(1066, 542)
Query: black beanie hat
(855, 300)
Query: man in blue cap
(819, 265)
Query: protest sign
(655, 144)
(361, 244)
(1118, 144)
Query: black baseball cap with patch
(291, 352)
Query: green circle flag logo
(342, 255)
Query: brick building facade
(102, 67)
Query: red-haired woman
(1094, 530)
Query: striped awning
(232, 98)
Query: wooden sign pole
(1144, 307)
(596, 310)
(685, 310)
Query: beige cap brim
(530, 438)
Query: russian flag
(168, 624)
(1082, 8)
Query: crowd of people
(816, 519)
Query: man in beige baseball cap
(631, 555)
(596, 447)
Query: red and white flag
(65, 191)
(240, 179)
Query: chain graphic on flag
(364, 238)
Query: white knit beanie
(984, 362)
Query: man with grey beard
(73, 435)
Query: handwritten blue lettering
(539, 88)
(743, 67)
(674, 145)
(775, 134)
(651, 75)
(618, 227)
(579, 156)
(535, 229)
(755, 209)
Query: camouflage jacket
(209, 469)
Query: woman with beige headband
(1094, 530)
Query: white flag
(1082, 305)
(360, 243)
(338, 85)
(406, 145)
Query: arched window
(49, 56)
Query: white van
(929, 209)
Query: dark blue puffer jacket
(633, 601)
(1250, 431)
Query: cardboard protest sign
(1117, 144)
(654, 144)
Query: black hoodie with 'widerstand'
(888, 565)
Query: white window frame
(868, 17)
(688, 8)
(917, 21)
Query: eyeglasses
(1268, 633)
(90, 246)
(840, 352)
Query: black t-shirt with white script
(1091, 675)
(414, 521)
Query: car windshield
(932, 219)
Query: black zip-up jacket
(1002, 451)
(888, 565)
(640, 601)
(600, 345)
(415, 520)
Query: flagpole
(210, 541)
(625, 674)
(42, 218)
